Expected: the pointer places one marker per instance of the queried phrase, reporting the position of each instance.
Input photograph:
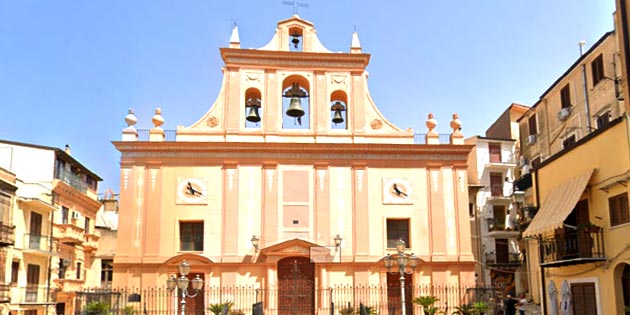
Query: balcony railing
(91, 242)
(573, 247)
(504, 259)
(33, 294)
(525, 216)
(76, 181)
(68, 233)
(39, 243)
(495, 225)
(5, 293)
(7, 235)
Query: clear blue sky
(69, 70)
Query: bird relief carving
(191, 191)
(397, 191)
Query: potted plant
(479, 308)
(426, 302)
(97, 308)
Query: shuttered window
(584, 301)
(618, 207)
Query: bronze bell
(253, 116)
(337, 118)
(295, 108)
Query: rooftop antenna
(295, 5)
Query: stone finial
(130, 133)
(456, 137)
(432, 136)
(355, 46)
(157, 119)
(235, 41)
(131, 119)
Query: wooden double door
(296, 286)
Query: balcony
(525, 216)
(501, 163)
(498, 228)
(503, 259)
(39, 244)
(70, 285)
(68, 233)
(33, 295)
(36, 196)
(91, 242)
(7, 235)
(5, 293)
(573, 247)
(76, 181)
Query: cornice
(234, 57)
(240, 151)
(66, 191)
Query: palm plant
(97, 308)
(464, 309)
(426, 302)
(217, 308)
(480, 307)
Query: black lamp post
(181, 283)
(402, 260)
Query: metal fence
(327, 301)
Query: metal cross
(295, 5)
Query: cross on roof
(295, 5)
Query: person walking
(522, 302)
(510, 305)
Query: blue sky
(69, 70)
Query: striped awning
(558, 205)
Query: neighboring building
(107, 225)
(496, 222)
(292, 157)
(7, 235)
(55, 239)
(575, 143)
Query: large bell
(337, 118)
(253, 116)
(295, 108)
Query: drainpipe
(585, 86)
(50, 248)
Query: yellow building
(53, 224)
(292, 189)
(575, 141)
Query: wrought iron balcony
(39, 244)
(76, 181)
(498, 228)
(573, 247)
(5, 293)
(525, 216)
(33, 294)
(7, 235)
(503, 259)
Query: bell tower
(294, 89)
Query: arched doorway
(625, 287)
(296, 286)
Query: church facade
(293, 188)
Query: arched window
(252, 108)
(338, 110)
(295, 103)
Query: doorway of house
(393, 294)
(296, 286)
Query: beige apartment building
(54, 210)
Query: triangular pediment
(295, 19)
(292, 247)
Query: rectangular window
(597, 69)
(568, 142)
(618, 207)
(496, 184)
(495, 152)
(565, 96)
(191, 236)
(397, 229)
(87, 226)
(107, 270)
(533, 129)
(65, 212)
(603, 120)
(15, 269)
(5, 206)
(78, 270)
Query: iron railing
(587, 243)
(41, 243)
(5, 293)
(384, 299)
(76, 181)
(505, 259)
(33, 294)
(495, 225)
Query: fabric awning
(558, 205)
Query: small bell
(253, 116)
(337, 118)
(296, 39)
(295, 108)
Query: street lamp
(402, 260)
(182, 282)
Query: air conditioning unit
(563, 114)
(75, 215)
(531, 139)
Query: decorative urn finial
(157, 119)
(131, 119)
(456, 124)
(431, 123)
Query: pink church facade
(335, 168)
